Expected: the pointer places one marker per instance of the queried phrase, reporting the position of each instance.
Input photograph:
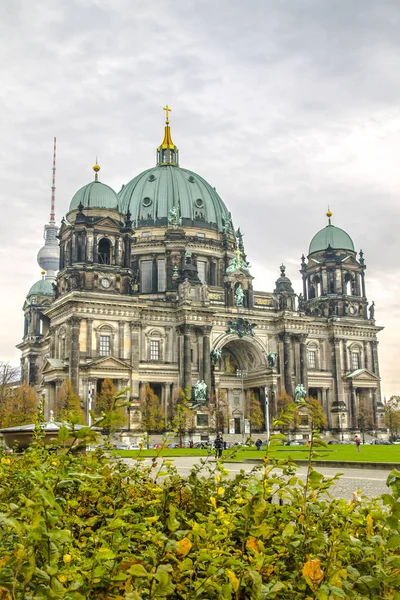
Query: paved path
(371, 482)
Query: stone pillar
(337, 370)
(345, 359)
(287, 371)
(121, 328)
(353, 408)
(303, 361)
(187, 363)
(375, 360)
(167, 401)
(89, 334)
(168, 358)
(207, 358)
(325, 407)
(95, 249)
(363, 283)
(74, 354)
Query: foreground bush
(89, 527)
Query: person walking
(218, 445)
(358, 442)
(258, 444)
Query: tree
(107, 405)
(9, 375)
(392, 416)
(366, 419)
(20, 406)
(183, 417)
(153, 419)
(257, 419)
(68, 403)
(288, 418)
(219, 411)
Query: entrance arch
(240, 377)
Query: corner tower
(333, 276)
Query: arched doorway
(240, 377)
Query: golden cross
(167, 110)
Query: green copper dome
(95, 195)
(43, 287)
(331, 236)
(151, 195)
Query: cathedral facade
(152, 286)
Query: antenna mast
(53, 187)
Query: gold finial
(329, 214)
(96, 169)
(43, 272)
(167, 110)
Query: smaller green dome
(331, 236)
(43, 287)
(95, 195)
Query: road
(371, 482)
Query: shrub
(91, 527)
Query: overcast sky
(284, 106)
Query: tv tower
(49, 256)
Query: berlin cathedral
(151, 285)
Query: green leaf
(138, 571)
(164, 586)
(393, 542)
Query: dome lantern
(167, 153)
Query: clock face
(105, 282)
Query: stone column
(74, 354)
(89, 334)
(287, 372)
(325, 407)
(121, 328)
(353, 408)
(187, 363)
(345, 360)
(375, 360)
(337, 370)
(168, 358)
(303, 361)
(207, 358)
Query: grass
(347, 453)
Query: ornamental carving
(241, 327)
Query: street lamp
(242, 375)
(267, 414)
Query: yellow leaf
(370, 528)
(233, 579)
(218, 478)
(313, 573)
(184, 546)
(213, 502)
(5, 461)
(220, 491)
(252, 544)
(67, 558)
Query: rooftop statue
(174, 217)
(237, 262)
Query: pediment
(53, 364)
(107, 222)
(238, 274)
(362, 375)
(107, 363)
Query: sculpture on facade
(184, 289)
(271, 359)
(300, 392)
(239, 296)
(372, 310)
(237, 263)
(204, 293)
(174, 218)
(200, 391)
(241, 327)
(215, 355)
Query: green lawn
(336, 453)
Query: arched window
(355, 357)
(317, 286)
(104, 251)
(348, 285)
